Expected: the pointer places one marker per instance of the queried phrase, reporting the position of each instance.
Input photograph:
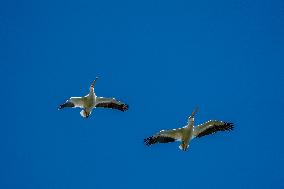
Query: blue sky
(161, 57)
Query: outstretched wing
(164, 136)
(73, 102)
(211, 127)
(111, 103)
(77, 101)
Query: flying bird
(188, 132)
(90, 101)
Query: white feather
(83, 113)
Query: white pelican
(188, 132)
(90, 101)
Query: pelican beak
(94, 82)
(194, 111)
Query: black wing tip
(158, 139)
(125, 107)
(229, 126)
(149, 141)
(65, 105)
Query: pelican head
(191, 117)
(94, 82)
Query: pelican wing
(73, 102)
(164, 136)
(111, 103)
(77, 101)
(211, 127)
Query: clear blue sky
(161, 57)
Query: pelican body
(90, 101)
(188, 132)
